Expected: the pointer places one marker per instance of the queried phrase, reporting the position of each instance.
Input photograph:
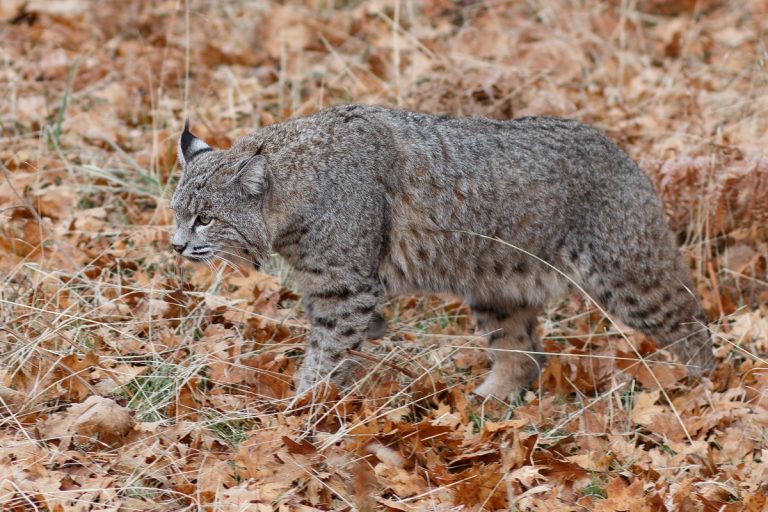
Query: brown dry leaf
(591, 461)
(56, 202)
(215, 476)
(668, 425)
(111, 379)
(91, 220)
(558, 469)
(10, 9)
(493, 427)
(11, 401)
(756, 503)
(259, 459)
(72, 373)
(651, 374)
(404, 483)
(624, 498)
(483, 486)
(555, 375)
(242, 497)
(301, 448)
(60, 7)
(644, 410)
(97, 422)
(32, 110)
(751, 328)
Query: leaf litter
(130, 380)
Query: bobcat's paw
(341, 375)
(305, 380)
(495, 387)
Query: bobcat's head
(218, 202)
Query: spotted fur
(365, 201)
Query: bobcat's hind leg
(515, 347)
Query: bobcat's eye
(203, 219)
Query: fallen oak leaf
(11, 401)
(400, 481)
(666, 374)
(55, 201)
(487, 455)
(96, 420)
(645, 410)
(395, 505)
(302, 448)
(482, 485)
(564, 471)
(626, 498)
(493, 427)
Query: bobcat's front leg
(340, 316)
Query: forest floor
(132, 380)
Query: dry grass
(133, 381)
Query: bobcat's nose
(179, 248)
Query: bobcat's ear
(251, 174)
(190, 146)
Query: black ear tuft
(190, 146)
(186, 137)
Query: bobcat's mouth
(199, 258)
(200, 254)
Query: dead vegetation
(133, 381)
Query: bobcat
(365, 200)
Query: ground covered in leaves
(130, 380)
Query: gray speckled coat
(366, 200)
